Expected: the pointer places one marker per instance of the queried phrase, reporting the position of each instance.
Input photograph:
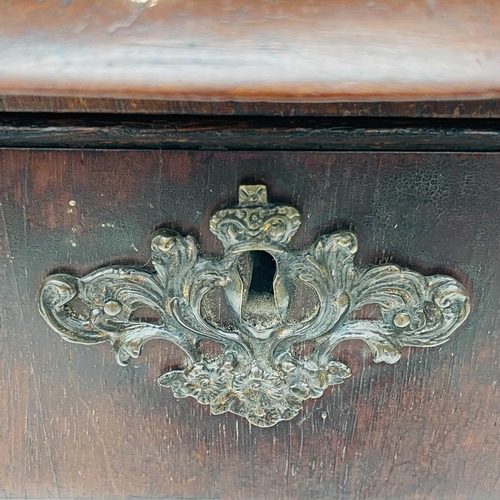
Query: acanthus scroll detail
(259, 374)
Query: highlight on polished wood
(219, 50)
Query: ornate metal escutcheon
(259, 375)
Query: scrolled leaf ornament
(259, 375)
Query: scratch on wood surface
(97, 430)
(31, 354)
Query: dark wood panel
(73, 424)
(424, 109)
(247, 133)
(285, 50)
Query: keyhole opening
(263, 272)
(257, 271)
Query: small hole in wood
(146, 315)
(210, 348)
(77, 308)
(304, 304)
(304, 349)
(215, 311)
(371, 312)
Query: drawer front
(74, 424)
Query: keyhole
(259, 308)
(263, 272)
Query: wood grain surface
(226, 133)
(419, 109)
(73, 424)
(281, 50)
